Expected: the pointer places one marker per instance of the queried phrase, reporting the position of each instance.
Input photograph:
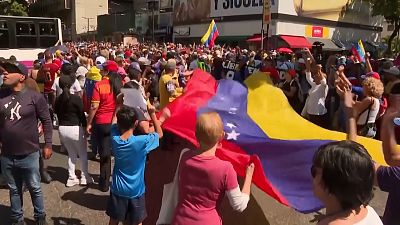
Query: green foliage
(14, 8)
(390, 10)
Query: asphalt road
(86, 205)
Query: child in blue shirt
(127, 202)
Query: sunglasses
(313, 171)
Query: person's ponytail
(65, 83)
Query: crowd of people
(82, 93)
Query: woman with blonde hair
(368, 108)
(205, 179)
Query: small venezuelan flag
(209, 37)
(359, 51)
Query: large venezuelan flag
(209, 37)
(261, 127)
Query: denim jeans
(19, 170)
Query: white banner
(236, 7)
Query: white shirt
(75, 88)
(81, 71)
(372, 218)
(315, 104)
(373, 113)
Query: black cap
(14, 65)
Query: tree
(14, 8)
(390, 10)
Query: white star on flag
(231, 125)
(232, 135)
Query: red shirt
(58, 62)
(52, 69)
(202, 185)
(103, 95)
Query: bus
(25, 37)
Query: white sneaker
(86, 180)
(72, 182)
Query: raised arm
(157, 124)
(389, 144)
(368, 63)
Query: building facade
(338, 21)
(79, 17)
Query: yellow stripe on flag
(208, 33)
(268, 107)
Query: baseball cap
(59, 52)
(100, 60)
(393, 70)
(110, 66)
(171, 64)
(144, 61)
(135, 66)
(14, 67)
(374, 75)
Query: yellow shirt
(165, 96)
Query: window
(26, 35)
(4, 37)
(48, 29)
(25, 29)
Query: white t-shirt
(315, 103)
(81, 71)
(373, 113)
(372, 218)
(75, 88)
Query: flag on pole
(359, 51)
(209, 37)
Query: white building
(325, 21)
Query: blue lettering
(246, 3)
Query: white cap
(144, 61)
(100, 60)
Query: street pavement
(86, 205)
